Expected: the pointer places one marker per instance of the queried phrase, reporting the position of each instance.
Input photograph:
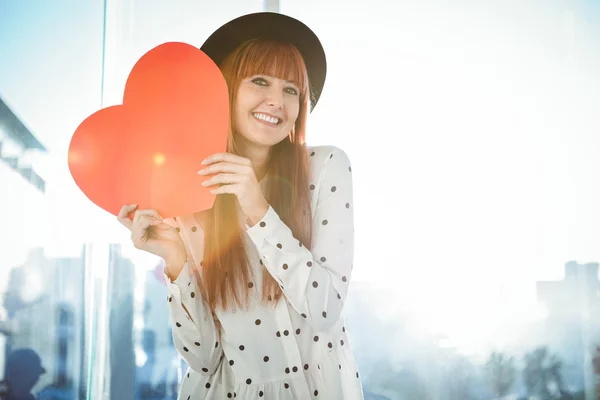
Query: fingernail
(204, 161)
(133, 205)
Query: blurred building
(142, 361)
(121, 313)
(22, 192)
(157, 325)
(573, 324)
(45, 308)
(576, 296)
(17, 146)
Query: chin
(264, 139)
(271, 143)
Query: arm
(195, 332)
(315, 281)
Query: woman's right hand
(151, 234)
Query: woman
(257, 283)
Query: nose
(275, 97)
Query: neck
(259, 171)
(258, 156)
(259, 162)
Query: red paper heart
(148, 150)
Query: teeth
(264, 117)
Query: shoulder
(331, 172)
(191, 225)
(202, 218)
(322, 156)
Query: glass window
(49, 78)
(472, 129)
(82, 313)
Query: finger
(143, 222)
(224, 178)
(228, 157)
(150, 213)
(224, 167)
(161, 226)
(123, 216)
(141, 230)
(231, 189)
(146, 214)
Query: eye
(260, 81)
(291, 90)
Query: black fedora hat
(275, 26)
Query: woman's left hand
(237, 175)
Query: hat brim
(275, 26)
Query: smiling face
(268, 89)
(265, 109)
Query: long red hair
(226, 270)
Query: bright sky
(472, 129)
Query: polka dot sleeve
(315, 281)
(195, 334)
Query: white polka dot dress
(298, 349)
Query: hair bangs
(273, 58)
